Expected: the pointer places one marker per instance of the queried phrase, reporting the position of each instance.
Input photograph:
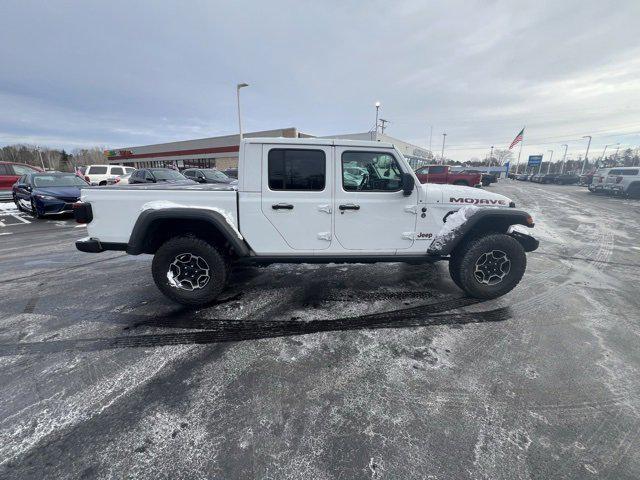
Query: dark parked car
(566, 179)
(46, 193)
(523, 177)
(231, 172)
(158, 175)
(10, 172)
(208, 175)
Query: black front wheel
(34, 210)
(190, 271)
(488, 266)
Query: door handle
(282, 206)
(349, 206)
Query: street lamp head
(242, 85)
(377, 104)
(586, 136)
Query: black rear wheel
(488, 266)
(190, 271)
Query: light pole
(564, 157)
(550, 160)
(238, 87)
(617, 150)
(605, 151)
(444, 136)
(586, 155)
(377, 109)
(430, 138)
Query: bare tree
(502, 156)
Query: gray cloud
(124, 73)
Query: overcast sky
(122, 73)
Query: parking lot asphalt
(326, 371)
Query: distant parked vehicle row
(557, 178)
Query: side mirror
(407, 184)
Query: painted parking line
(10, 215)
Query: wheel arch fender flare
(487, 220)
(138, 239)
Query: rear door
(297, 193)
(371, 211)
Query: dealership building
(222, 152)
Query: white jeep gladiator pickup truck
(309, 201)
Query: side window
(97, 170)
(614, 172)
(370, 172)
(4, 169)
(117, 171)
(436, 169)
(630, 172)
(423, 170)
(296, 169)
(148, 176)
(189, 173)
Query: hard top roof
(319, 141)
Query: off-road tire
(464, 265)
(217, 271)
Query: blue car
(47, 193)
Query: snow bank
(453, 223)
(160, 204)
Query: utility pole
(586, 155)
(564, 157)
(377, 110)
(550, 159)
(430, 138)
(238, 87)
(444, 136)
(383, 125)
(491, 156)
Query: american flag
(518, 138)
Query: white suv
(105, 174)
(623, 181)
(597, 183)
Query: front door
(371, 211)
(297, 194)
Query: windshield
(215, 175)
(70, 180)
(167, 174)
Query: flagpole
(519, 153)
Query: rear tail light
(618, 179)
(116, 180)
(82, 212)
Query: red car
(10, 173)
(443, 174)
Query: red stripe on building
(175, 153)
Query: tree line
(51, 158)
